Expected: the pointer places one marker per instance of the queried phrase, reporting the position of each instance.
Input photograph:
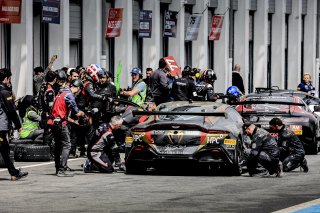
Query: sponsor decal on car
(296, 129)
(230, 143)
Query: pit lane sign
(114, 22)
(10, 11)
(173, 66)
(51, 11)
(216, 25)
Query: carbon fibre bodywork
(292, 110)
(183, 134)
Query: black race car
(202, 134)
(295, 113)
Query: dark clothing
(5, 152)
(8, 112)
(264, 151)
(237, 81)
(100, 151)
(306, 87)
(291, 149)
(87, 95)
(159, 86)
(183, 89)
(62, 146)
(205, 92)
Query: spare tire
(32, 152)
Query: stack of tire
(28, 150)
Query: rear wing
(217, 114)
(268, 102)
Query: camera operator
(139, 88)
(63, 103)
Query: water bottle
(16, 134)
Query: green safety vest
(141, 96)
(28, 126)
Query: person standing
(291, 148)
(159, 84)
(63, 103)
(306, 85)
(8, 115)
(138, 93)
(237, 79)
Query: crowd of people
(62, 114)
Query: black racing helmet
(210, 75)
(76, 83)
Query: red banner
(114, 22)
(216, 27)
(10, 11)
(173, 66)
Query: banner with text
(145, 24)
(114, 22)
(173, 66)
(216, 27)
(10, 11)
(51, 11)
(170, 24)
(193, 28)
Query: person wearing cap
(291, 148)
(63, 104)
(139, 88)
(263, 150)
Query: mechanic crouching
(100, 151)
(263, 150)
(291, 148)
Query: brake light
(138, 148)
(215, 150)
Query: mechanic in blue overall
(306, 85)
(263, 150)
(292, 153)
(100, 153)
(58, 119)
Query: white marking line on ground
(40, 164)
(299, 206)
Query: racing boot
(304, 165)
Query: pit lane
(42, 191)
